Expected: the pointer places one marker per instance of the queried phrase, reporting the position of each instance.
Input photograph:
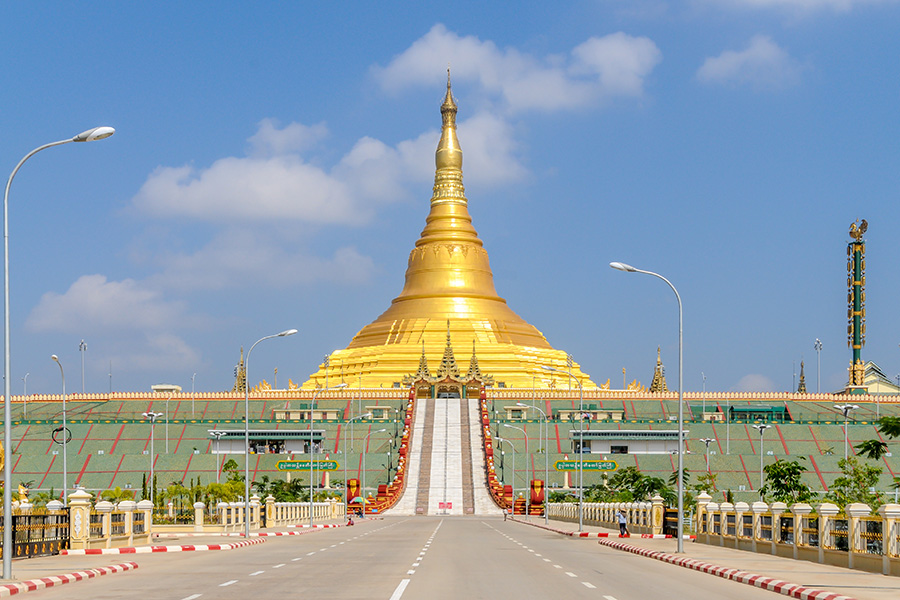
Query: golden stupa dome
(448, 300)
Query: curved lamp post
(580, 442)
(344, 443)
(527, 458)
(761, 429)
(707, 441)
(97, 133)
(247, 427)
(846, 409)
(312, 454)
(511, 445)
(65, 433)
(629, 269)
(152, 417)
(363, 490)
(546, 459)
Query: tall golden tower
(449, 298)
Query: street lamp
(761, 429)
(629, 269)
(152, 417)
(818, 347)
(247, 427)
(97, 133)
(363, 490)
(344, 452)
(192, 394)
(511, 445)
(82, 347)
(546, 460)
(703, 375)
(218, 434)
(580, 442)
(65, 434)
(846, 409)
(527, 458)
(312, 454)
(707, 441)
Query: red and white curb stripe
(152, 549)
(11, 589)
(316, 526)
(605, 534)
(785, 588)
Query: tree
(856, 484)
(784, 482)
(872, 449)
(116, 495)
(889, 426)
(706, 482)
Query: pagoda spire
(658, 385)
(801, 389)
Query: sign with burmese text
(303, 465)
(589, 465)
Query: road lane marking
(546, 560)
(557, 567)
(193, 597)
(588, 585)
(310, 553)
(608, 598)
(411, 572)
(400, 588)
(571, 574)
(227, 583)
(278, 566)
(256, 573)
(296, 559)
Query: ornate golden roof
(448, 281)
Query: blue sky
(272, 168)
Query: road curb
(785, 588)
(11, 589)
(153, 549)
(597, 534)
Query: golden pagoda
(448, 300)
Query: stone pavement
(841, 582)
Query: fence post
(800, 510)
(271, 520)
(703, 499)
(777, 509)
(890, 513)
(255, 515)
(827, 512)
(758, 508)
(80, 519)
(657, 509)
(128, 507)
(854, 538)
(104, 508)
(198, 516)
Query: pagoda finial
(658, 384)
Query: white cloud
(754, 383)
(614, 65)
(269, 140)
(242, 257)
(762, 64)
(94, 303)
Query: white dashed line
(278, 566)
(557, 567)
(571, 574)
(193, 597)
(310, 553)
(588, 585)
(546, 560)
(227, 583)
(296, 559)
(254, 573)
(411, 572)
(400, 588)
(608, 598)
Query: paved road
(400, 558)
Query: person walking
(623, 523)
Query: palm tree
(872, 449)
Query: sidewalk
(841, 582)
(29, 574)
